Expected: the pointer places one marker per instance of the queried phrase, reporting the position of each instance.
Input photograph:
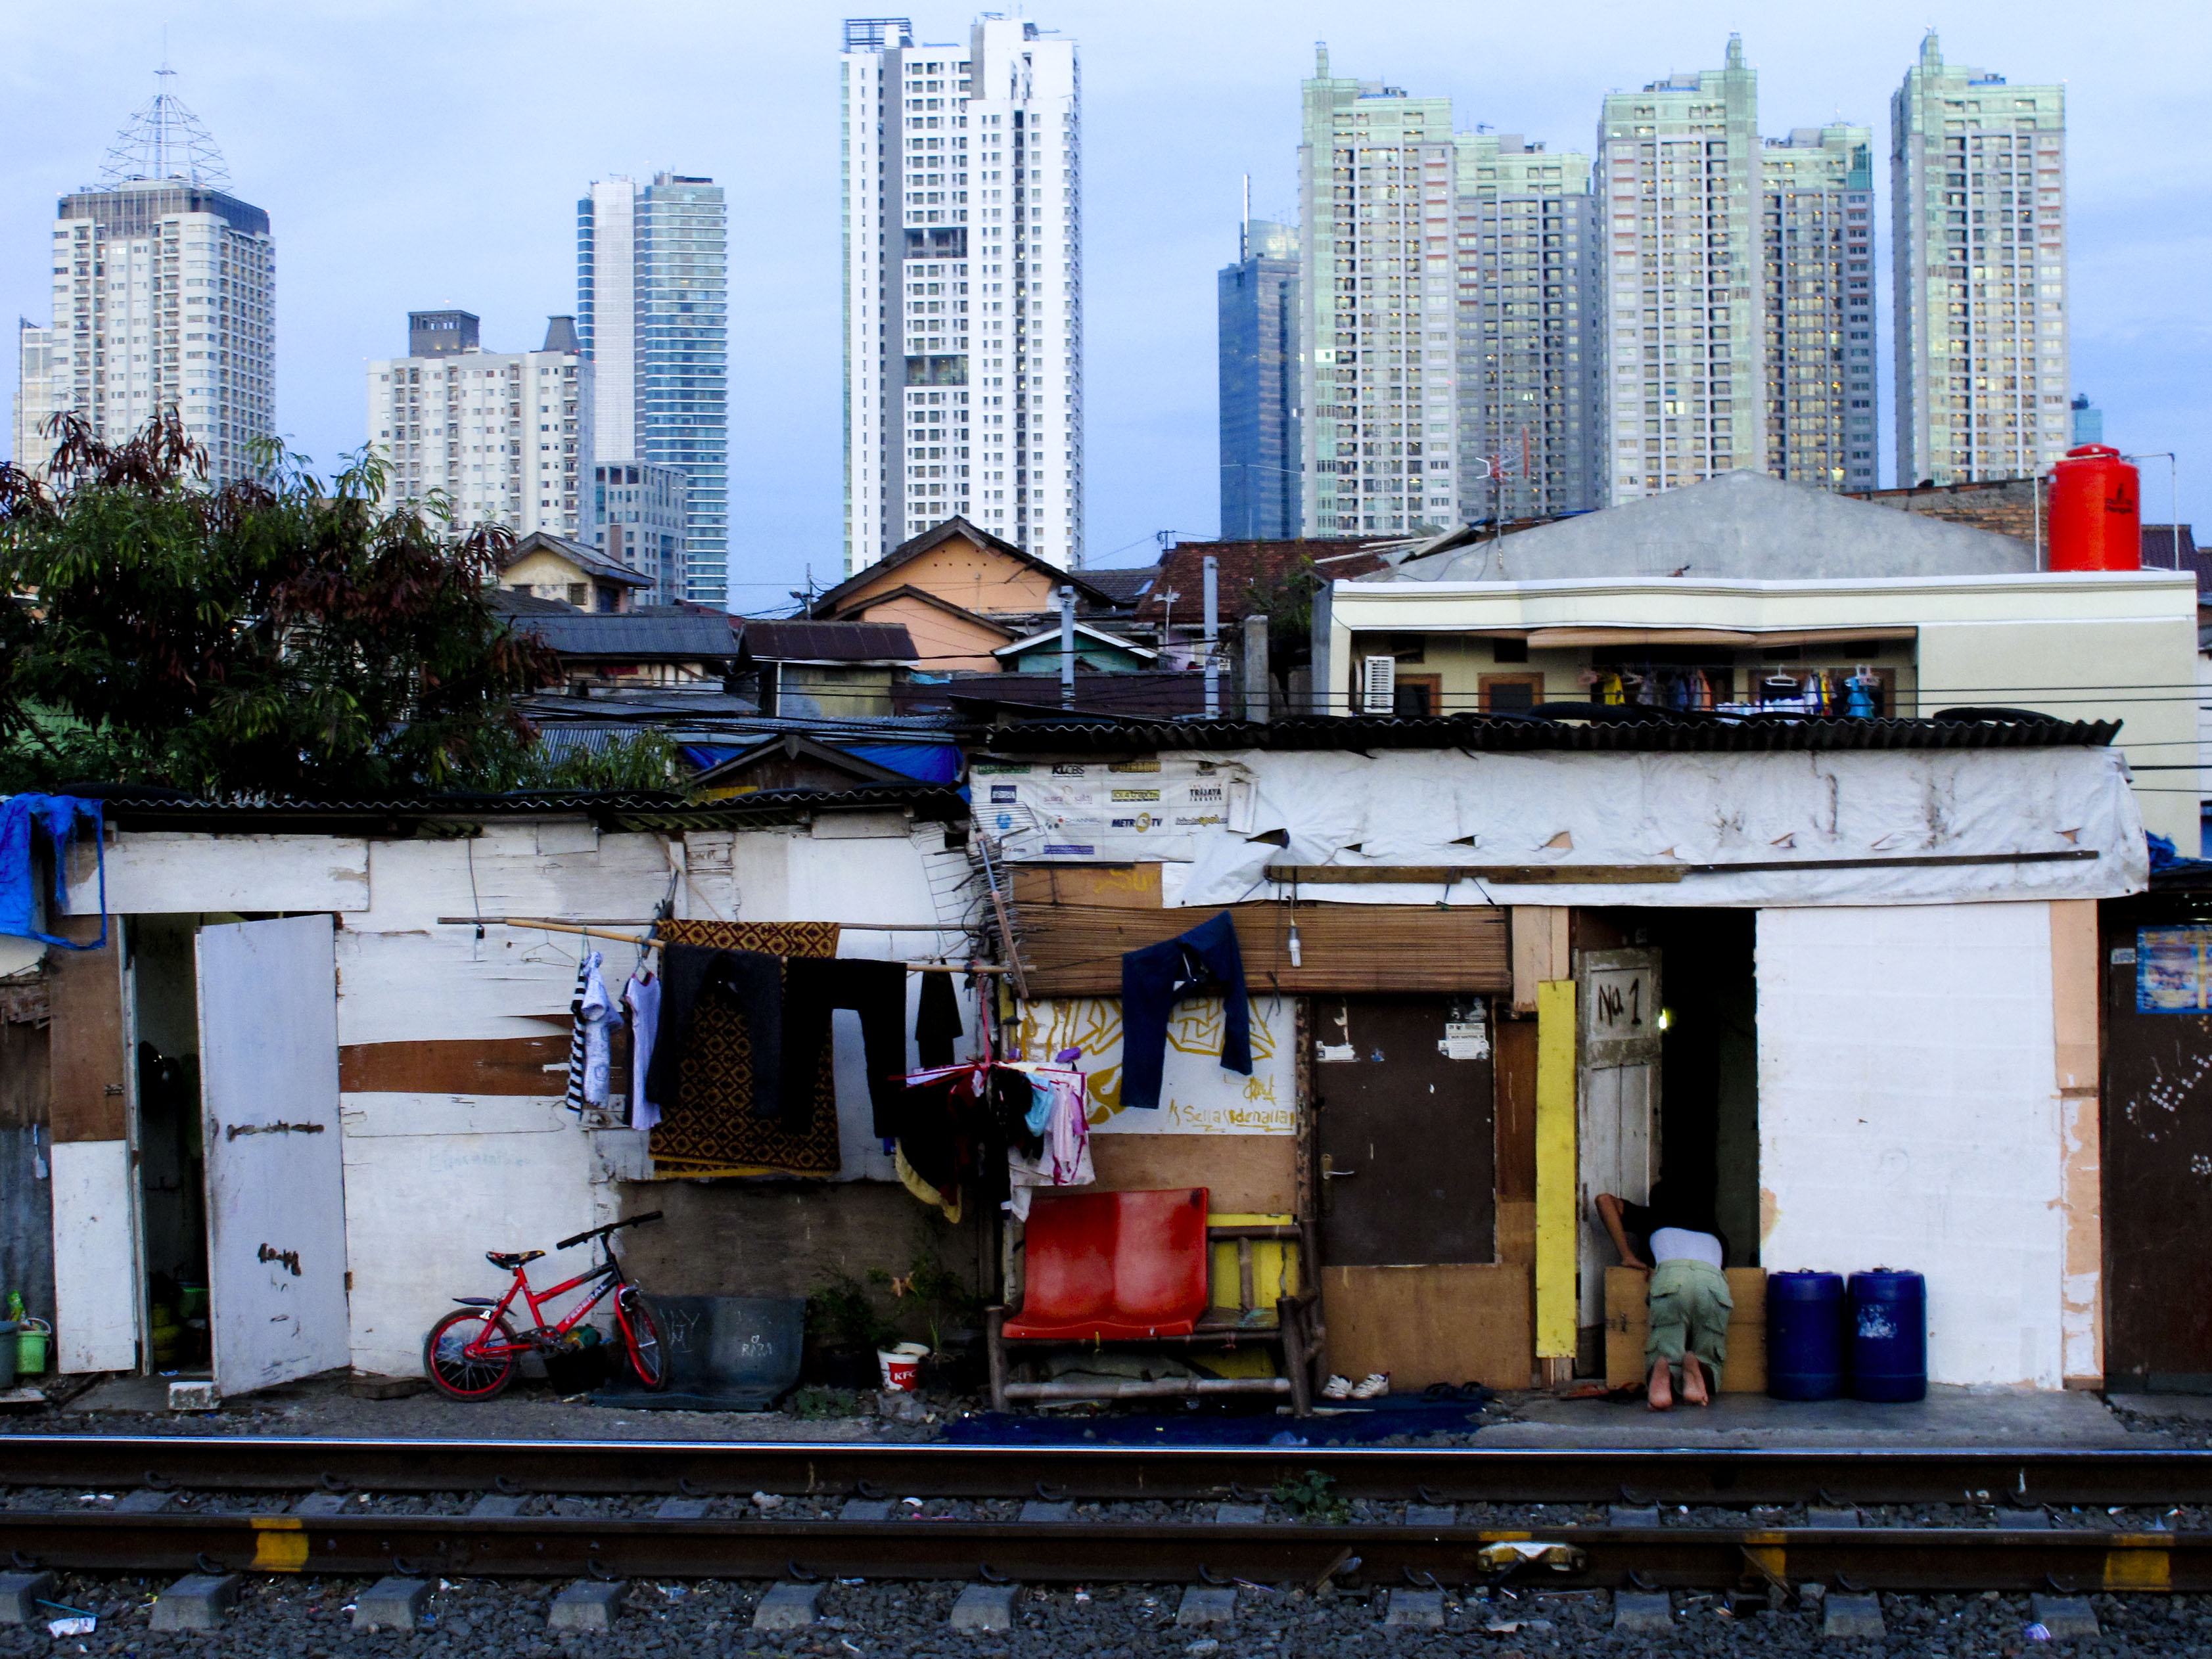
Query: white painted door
(268, 1093)
(1617, 1102)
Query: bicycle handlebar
(612, 1226)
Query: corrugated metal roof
(631, 638)
(827, 641)
(612, 809)
(1677, 735)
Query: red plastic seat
(1102, 1266)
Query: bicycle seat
(505, 1258)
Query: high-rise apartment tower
(653, 318)
(1259, 345)
(34, 352)
(964, 287)
(1978, 202)
(1678, 174)
(1376, 190)
(1817, 207)
(502, 435)
(165, 290)
(1531, 334)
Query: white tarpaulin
(1449, 807)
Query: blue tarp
(56, 818)
(1378, 1419)
(926, 762)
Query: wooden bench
(1132, 1269)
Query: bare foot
(1693, 1382)
(1661, 1395)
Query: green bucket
(31, 1347)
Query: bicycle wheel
(648, 1354)
(456, 1373)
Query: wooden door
(275, 1199)
(2157, 1101)
(1404, 1117)
(1616, 1104)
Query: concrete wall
(1909, 1117)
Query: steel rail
(1905, 1559)
(2013, 1478)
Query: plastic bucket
(902, 1366)
(1889, 1336)
(1805, 1335)
(31, 1347)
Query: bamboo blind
(1076, 949)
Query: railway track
(2011, 1478)
(280, 1506)
(1900, 1559)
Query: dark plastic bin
(725, 1352)
(1889, 1336)
(1805, 1335)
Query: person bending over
(1683, 1249)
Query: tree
(275, 635)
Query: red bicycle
(474, 1353)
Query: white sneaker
(1337, 1387)
(1373, 1383)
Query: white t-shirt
(1680, 1245)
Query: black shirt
(1666, 1209)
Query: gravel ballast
(309, 1618)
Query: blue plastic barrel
(1805, 1335)
(1889, 1336)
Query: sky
(413, 155)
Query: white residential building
(963, 288)
(1977, 203)
(165, 293)
(1817, 200)
(34, 398)
(503, 435)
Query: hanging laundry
(937, 1027)
(1064, 1157)
(752, 981)
(1864, 692)
(814, 989)
(1154, 978)
(56, 818)
(641, 997)
(590, 1013)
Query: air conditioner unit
(1378, 685)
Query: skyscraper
(1258, 347)
(1978, 196)
(652, 319)
(502, 435)
(1817, 201)
(1450, 317)
(165, 293)
(1531, 330)
(1678, 173)
(963, 288)
(34, 350)
(1377, 188)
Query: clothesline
(608, 932)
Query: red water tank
(2096, 511)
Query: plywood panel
(1540, 951)
(495, 1065)
(1120, 886)
(1242, 1172)
(1516, 1041)
(1469, 1323)
(95, 1321)
(1516, 1230)
(1074, 949)
(85, 997)
(1628, 1323)
(171, 872)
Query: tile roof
(589, 634)
(1239, 566)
